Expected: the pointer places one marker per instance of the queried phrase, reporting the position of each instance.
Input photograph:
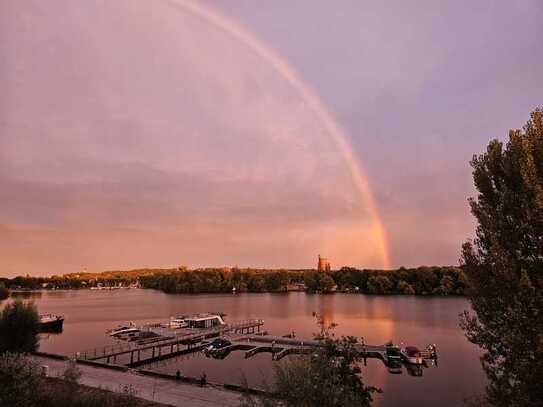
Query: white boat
(178, 322)
(124, 330)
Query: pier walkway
(156, 389)
(136, 354)
(280, 347)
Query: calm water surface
(417, 321)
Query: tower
(323, 264)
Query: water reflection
(416, 321)
(25, 295)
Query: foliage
(329, 377)
(4, 292)
(22, 385)
(319, 281)
(19, 380)
(504, 266)
(19, 325)
(418, 281)
(72, 374)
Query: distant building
(323, 265)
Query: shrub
(19, 324)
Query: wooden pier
(244, 336)
(136, 354)
(280, 347)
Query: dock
(134, 354)
(280, 346)
(243, 336)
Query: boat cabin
(204, 321)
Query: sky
(220, 133)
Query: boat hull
(52, 326)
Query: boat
(202, 321)
(51, 323)
(412, 355)
(124, 330)
(393, 354)
(216, 345)
(178, 322)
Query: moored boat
(124, 330)
(178, 322)
(51, 323)
(412, 355)
(204, 321)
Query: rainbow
(309, 96)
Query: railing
(102, 352)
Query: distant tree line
(416, 281)
(221, 280)
(79, 280)
(405, 281)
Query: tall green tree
(504, 266)
(19, 324)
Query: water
(413, 320)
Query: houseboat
(202, 321)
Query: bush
(329, 377)
(4, 292)
(19, 325)
(19, 380)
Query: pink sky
(135, 133)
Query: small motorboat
(412, 355)
(51, 323)
(392, 355)
(216, 346)
(124, 330)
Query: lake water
(412, 320)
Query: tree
(504, 266)
(326, 283)
(379, 285)
(329, 377)
(405, 288)
(19, 380)
(19, 325)
(4, 292)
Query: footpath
(151, 388)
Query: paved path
(150, 388)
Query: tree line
(414, 281)
(404, 281)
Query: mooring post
(153, 352)
(139, 355)
(171, 348)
